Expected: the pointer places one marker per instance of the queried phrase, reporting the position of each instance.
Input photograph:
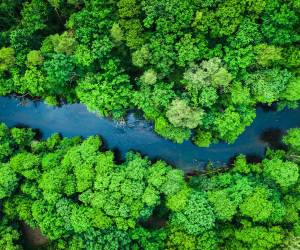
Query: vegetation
(80, 197)
(188, 64)
(194, 68)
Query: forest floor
(33, 238)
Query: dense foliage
(80, 197)
(188, 64)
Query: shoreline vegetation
(79, 197)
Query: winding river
(74, 119)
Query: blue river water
(134, 134)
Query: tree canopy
(80, 197)
(185, 65)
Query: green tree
(117, 33)
(202, 138)
(292, 91)
(197, 216)
(285, 174)
(141, 56)
(9, 236)
(26, 164)
(149, 77)
(181, 240)
(227, 193)
(187, 50)
(267, 55)
(267, 85)
(259, 237)
(231, 123)
(278, 23)
(248, 34)
(22, 137)
(260, 206)
(292, 139)
(154, 99)
(8, 181)
(107, 93)
(128, 8)
(210, 73)
(7, 59)
(181, 115)
(34, 82)
(59, 70)
(6, 142)
(61, 44)
(34, 58)
(240, 95)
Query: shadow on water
(21, 125)
(117, 155)
(267, 107)
(253, 158)
(273, 137)
(231, 160)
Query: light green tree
(181, 115)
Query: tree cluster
(80, 197)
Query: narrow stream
(72, 120)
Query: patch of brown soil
(33, 237)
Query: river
(74, 119)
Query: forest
(195, 68)
(81, 197)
